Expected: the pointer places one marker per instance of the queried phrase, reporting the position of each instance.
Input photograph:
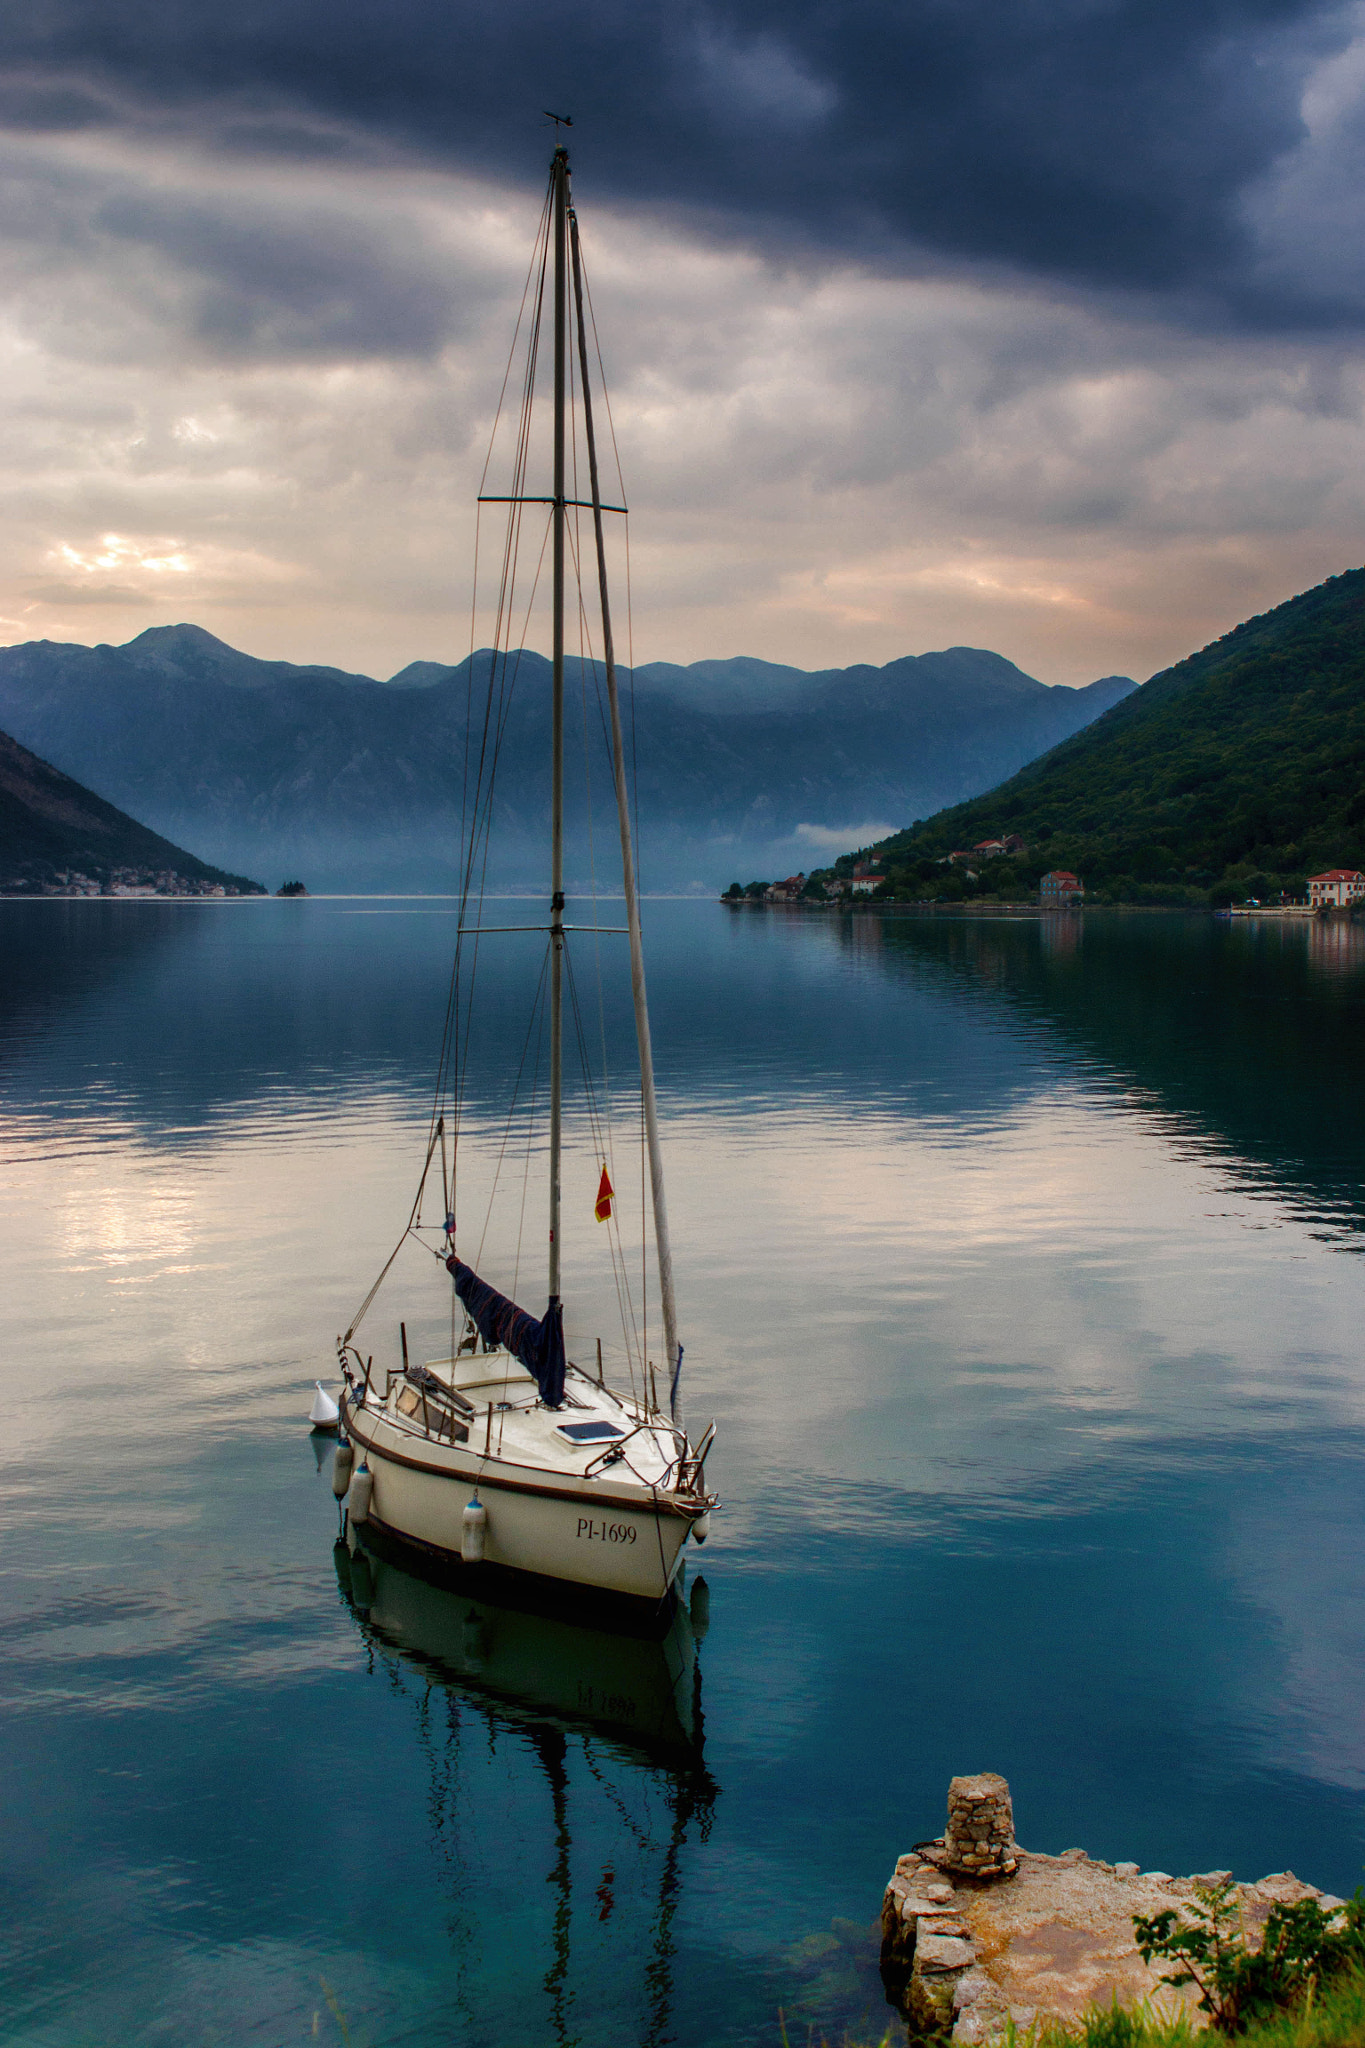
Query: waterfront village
(125, 882)
(875, 878)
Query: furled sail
(539, 1345)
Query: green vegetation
(1233, 775)
(1301, 1948)
(1332, 2017)
(1302, 1985)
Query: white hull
(589, 1527)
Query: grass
(1333, 2016)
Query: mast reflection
(611, 1715)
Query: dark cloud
(1106, 142)
(267, 273)
(262, 281)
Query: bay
(1018, 1264)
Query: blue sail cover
(539, 1345)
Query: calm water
(1018, 1265)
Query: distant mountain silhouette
(51, 830)
(353, 782)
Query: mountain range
(355, 783)
(1233, 774)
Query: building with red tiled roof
(1338, 886)
(1060, 887)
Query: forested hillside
(56, 834)
(1236, 773)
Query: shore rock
(1041, 1942)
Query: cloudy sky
(1031, 324)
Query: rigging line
(461, 1074)
(486, 828)
(530, 1140)
(643, 1840)
(585, 632)
(512, 351)
(451, 1020)
(502, 676)
(478, 520)
(605, 1149)
(512, 1108)
(624, 1299)
(499, 683)
(586, 658)
(360, 1313)
(497, 668)
(585, 295)
(622, 1281)
(496, 703)
(625, 1306)
(542, 234)
(659, 1970)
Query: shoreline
(1300, 913)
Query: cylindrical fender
(473, 1528)
(362, 1486)
(341, 1469)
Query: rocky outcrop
(1041, 1938)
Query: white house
(1339, 886)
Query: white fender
(362, 1486)
(701, 1528)
(473, 1527)
(341, 1469)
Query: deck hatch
(589, 1432)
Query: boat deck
(488, 1404)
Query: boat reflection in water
(609, 1713)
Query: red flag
(605, 1192)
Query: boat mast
(559, 174)
(637, 956)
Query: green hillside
(1236, 773)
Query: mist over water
(1018, 1264)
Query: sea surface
(1019, 1265)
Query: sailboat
(505, 1454)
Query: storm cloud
(1036, 327)
(1140, 144)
